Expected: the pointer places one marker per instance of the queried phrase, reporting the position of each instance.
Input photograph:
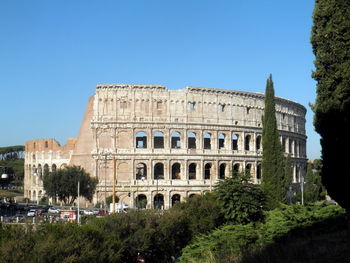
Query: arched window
(258, 143)
(40, 171)
(141, 171)
(207, 141)
(247, 143)
(207, 171)
(191, 195)
(191, 140)
(258, 172)
(159, 171)
(235, 169)
(46, 144)
(176, 198)
(221, 141)
(54, 168)
(175, 171)
(175, 140)
(158, 201)
(141, 201)
(290, 150)
(158, 140)
(222, 170)
(248, 169)
(234, 142)
(141, 140)
(46, 169)
(192, 171)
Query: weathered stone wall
(175, 143)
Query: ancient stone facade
(166, 145)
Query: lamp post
(78, 215)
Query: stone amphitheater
(167, 145)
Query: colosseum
(160, 146)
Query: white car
(31, 213)
(88, 212)
(53, 210)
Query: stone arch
(158, 140)
(235, 169)
(192, 171)
(53, 167)
(221, 141)
(192, 140)
(258, 172)
(40, 171)
(258, 143)
(247, 142)
(176, 198)
(248, 169)
(141, 171)
(175, 140)
(207, 171)
(176, 171)
(158, 171)
(222, 171)
(235, 142)
(207, 141)
(141, 139)
(34, 195)
(46, 169)
(141, 201)
(158, 201)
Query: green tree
(313, 185)
(330, 40)
(242, 202)
(63, 184)
(275, 168)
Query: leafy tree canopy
(63, 184)
(242, 201)
(330, 40)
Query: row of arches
(141, 201)
(193, 172)
(192, 141)
(40, 170)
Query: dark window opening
(235, 170)
(192, 171)
(207, 171)
(221, 108)
(247, 143)
(158, 140)
(258, 143)
(235, 142)
(207, 141)
(192, 140)
(221, 141)
(191, 105)
(222, 171)
(175, 171)
(258, 171)
(159, 171)
(248, 168)
(158, 201)
(175, 199)
(141, 201)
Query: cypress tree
(330, 40)
(275, 172)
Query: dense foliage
(331, 45)
(230, 242)
(63, 184)
(242, 202)
(276, 173)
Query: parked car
(53, 210)
(88, 212)
(31, 213)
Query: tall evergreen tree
(275, 167)
(330, 40)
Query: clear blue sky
(54, 53)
